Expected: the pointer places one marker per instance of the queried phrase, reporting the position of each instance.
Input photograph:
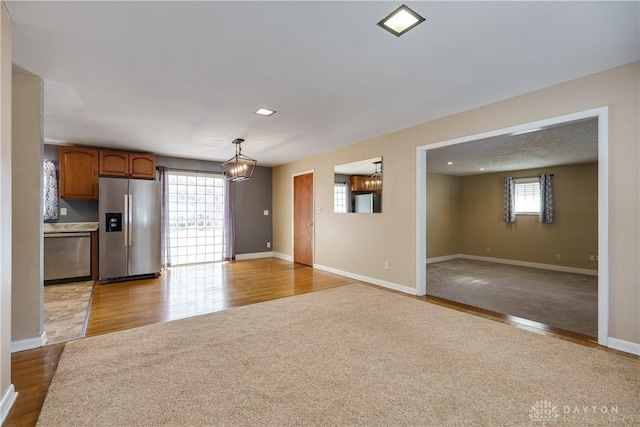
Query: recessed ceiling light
(400, 21)
(481, 169)
(449, 163)
(265, 112)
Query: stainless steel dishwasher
(67, 255)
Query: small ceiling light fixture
(401, 20)
(239, 167)
(265, 112)
(449, 163)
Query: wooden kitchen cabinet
(120, 163)
(79, 173)
(357, 183)
(114, 163)
(142, 165)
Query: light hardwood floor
(187, 291)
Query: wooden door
(303, 219)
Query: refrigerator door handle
(130, 219)
(125, 221)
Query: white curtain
(50, 190)
(165, 246)
(509, 199)
(546, 198)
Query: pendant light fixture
(374, 182)
(239, 167)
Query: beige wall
(361, 243)
(573, 234)
(5, 211)
(443, 215)
(26, 314)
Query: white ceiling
(184, 78)
(569, 143)
(361, 167)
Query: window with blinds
(527, 196)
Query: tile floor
(66, 310)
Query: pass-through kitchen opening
(196, 217)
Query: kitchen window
(196, 217)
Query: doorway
(601, 114)
(303, 219)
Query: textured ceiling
(569, 143)
(184, 78)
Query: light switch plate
(266, 212)
(63, 211)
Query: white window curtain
(546, 198)
(50, 190)
(509, 199)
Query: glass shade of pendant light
(239, 167)
(374, 182)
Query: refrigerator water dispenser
(113, 222)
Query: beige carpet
(344, 356)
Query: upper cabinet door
(134, 165)
(142, 165)
(114, 163)
(79, 173)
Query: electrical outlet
(488, 249)
(557, 256)
(386, 265)
(268, 245)
(592, 257)
(63, 211)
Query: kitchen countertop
(70, 227)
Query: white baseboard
(7, 402)
(374, 281)
(442, 258)
(552, 267)
(29, 343)
(285, 257)
(622, 345)
(254, 255)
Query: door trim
(313, 201)
(602, 114)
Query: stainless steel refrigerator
(368, 203)
(129, 228)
